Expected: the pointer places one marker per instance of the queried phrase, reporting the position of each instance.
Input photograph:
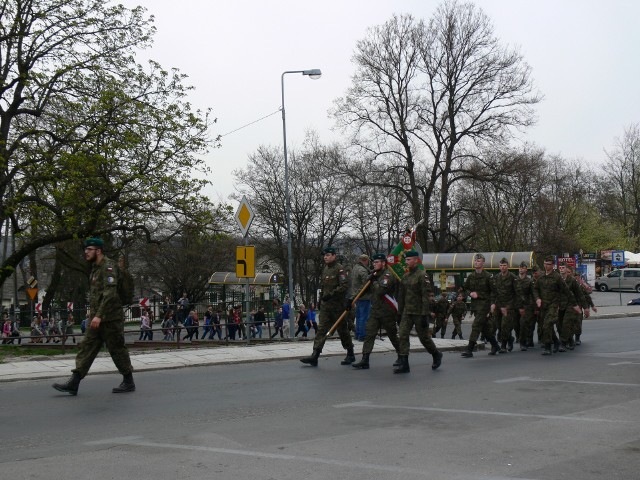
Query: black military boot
(510, 344)
(404, 365)
(562, 347)
(444, 332)
(578, 341)
(70, 386)
(437, 360)
(398, 361)
(547, 349)
(127, 384)
(495, 348)
(362, 364)
(571, 344)
(311, 360)
(556, 345)
(350, 358)
(503, 347)
(523, 345)
(461, 337)
(468, 353)
(453, 336)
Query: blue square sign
(617, 258)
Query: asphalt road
(514, 416)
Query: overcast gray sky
(584, 56)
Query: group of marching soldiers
(505, 308)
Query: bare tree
(425, 100)
(620, 195)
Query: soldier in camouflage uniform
(384, 308)
(571, 315)
(504, 297)
(442, 315)
(413, 307)
(479, 287)
(107, 322)
(524, 305)
(334, 290)
(457, 310)
(548, 290)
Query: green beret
(523, 264)
(94, 242)
(379, 256)
(411, 253)
(478, 256)
(329, 250)
(504, 260)
(562, 264)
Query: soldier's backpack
(125, 286)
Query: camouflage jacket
(524, 292)
(479, 282)
(504, 290)
(335, 283)
(384, 284)
(458, 309)
(104, 301)
(415, 288)
(565, 301)
(359, 276)
(550, 288)
(442, 307)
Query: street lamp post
(313, 74)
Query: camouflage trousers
(440, 324)
(457, 325)
(570, 324)
(422, 329)
(504, 324)
(526, 322)
(482, 324)
(327, 318)
(548, 316)
(374, 324)
(110, 334)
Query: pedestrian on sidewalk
(278, 323)
(301, 321)
(107, 322)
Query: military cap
(329, 250)
(364, 256)
(411, 253)
(504, 260)
(523, 264)
(379, 256)
(535, 268)
(549, 258)
(94, 242)
(562, 264)
(478, 256)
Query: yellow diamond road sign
(244, 215)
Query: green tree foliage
(91, 142)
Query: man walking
(384, 309)
(479, 287)
(107, 322)
(548, 290)
(334, 292)
(413, 307)
(524, 305)
(504, 296)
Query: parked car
(623, 279)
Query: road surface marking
(581, 382)
(367, 404)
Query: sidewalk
(40, 368)
(187, 357)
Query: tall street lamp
(314, 74)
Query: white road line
(140, 442)
(581, 382)
(366, 404)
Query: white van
(623, 279)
